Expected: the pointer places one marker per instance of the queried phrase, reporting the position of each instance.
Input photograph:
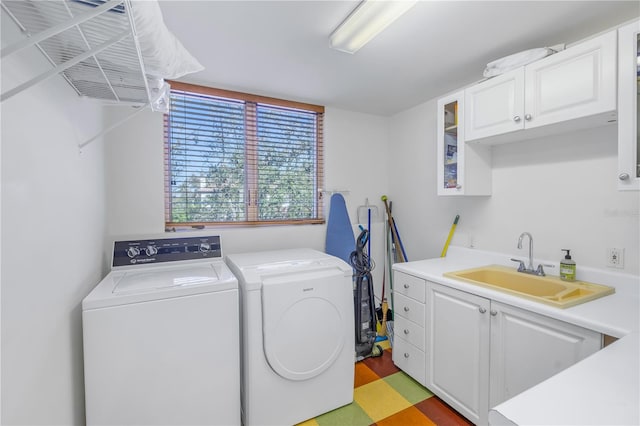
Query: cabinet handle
(406, 355)
(493, 313)
(406, 331)
(482, 310)
(458, 186)
(623, 176)
(516, 118)
(406, 286)
(406, 309)
(527, 117)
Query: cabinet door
(527, 348)
(574, 83)
(450, 140)
(458, 350)
(629, 107)
(495, 106)
(463, 169)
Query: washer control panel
(136, 252)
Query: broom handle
(394, 234)
(446, 244)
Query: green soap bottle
(567, 267)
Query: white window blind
(233, 158)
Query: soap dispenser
(567, 267)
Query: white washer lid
(135, 282)
(158, 282)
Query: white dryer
(161, 336)
(297, 330)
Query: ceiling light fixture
(366, 21)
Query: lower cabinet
(528, 348)
(478, 352)
(458, 350)
(408, 324)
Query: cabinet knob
(482, 310)
(516, 118)
(623, 176)
(406, 309)
(493, 313)
(527, 117)
(406, 355)
(406, 286)
(406, 331)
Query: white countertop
(601, 389)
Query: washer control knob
(151, 250)
(205, 247)
(133, 252)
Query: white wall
(53, 226)
(562, 189)
(356, 160)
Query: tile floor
(386, 396)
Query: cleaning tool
(381, 313)
(395, 235)
(364, 304)
(389, 259)
(385, 310)
(367, 210)
(453, 228)
(340, 240)
(369, 228)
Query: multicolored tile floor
(386, 396)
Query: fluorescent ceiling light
(367, 21)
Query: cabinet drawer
(409, 359)
(410, 286)
(409, 331)
(409, 309)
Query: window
(234, 158)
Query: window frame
(251, 159)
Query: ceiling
(281, 48)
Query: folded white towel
(508, 63)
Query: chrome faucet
(528, 269)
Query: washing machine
(161, 336)
(297, 334)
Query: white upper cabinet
(573, 89)
(495, 106)
(628, 106)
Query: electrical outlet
(615, 257)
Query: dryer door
(307, 318)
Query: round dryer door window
(306, 318)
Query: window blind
(233, 158)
